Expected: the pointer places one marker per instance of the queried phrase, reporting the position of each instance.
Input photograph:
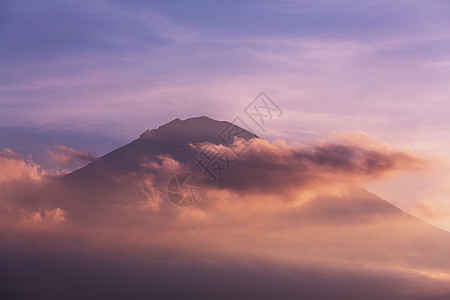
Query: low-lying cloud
(18, 177)
(251, 213)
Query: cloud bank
(276, 167)
(310, 218)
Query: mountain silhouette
(97, 183)
(93, 193)
(119, 201)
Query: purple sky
(96, 74)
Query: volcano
(349, 244)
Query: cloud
(18, 177)
(324, 83)
(431, 211)
(338, 76)
(65, 156)
(270, 173)
(127, 275)
(55, 215)
(14, 167)
(278, 168)
(121, 200)
(267, 173)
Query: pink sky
(114, 69)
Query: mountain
(109, 179)
(120, 201)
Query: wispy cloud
(65, 156)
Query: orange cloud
(18, 177)
(64, 155)
(276, 167)
(13, 167)
(278, 204)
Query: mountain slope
(109, 179)
(121, 197)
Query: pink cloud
(277, 167)
(64, 155)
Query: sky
(94, 75)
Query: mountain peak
(178, 122)
(195, 129)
